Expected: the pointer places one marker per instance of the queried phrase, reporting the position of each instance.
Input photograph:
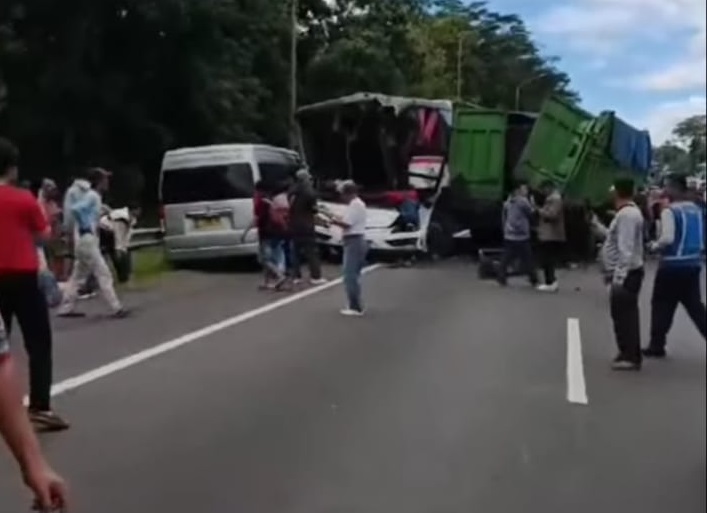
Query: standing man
(353, 224)
(622, 258)
(551, 235)
(303, 210)
(517, 216)
(22, 223)
(680, 243)
(86, 210)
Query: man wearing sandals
(22, 223)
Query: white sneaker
(554, 287)
(349, 312)
(318, 281)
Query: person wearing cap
(353, 224)
(622, 262)
(680, 245)
(22, 223)
(86, 208)
(303, 212)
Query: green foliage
(116, 82)
(687, 151)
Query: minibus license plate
(208, 224)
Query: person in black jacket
(303, 211)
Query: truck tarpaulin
(630, 147)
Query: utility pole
(293, 72)
(460, 57)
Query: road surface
(451, 396)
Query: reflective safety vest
(688, 244)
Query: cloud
(661, 120)
(687, 72)
(610, 28)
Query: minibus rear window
(207, 183)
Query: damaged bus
(395, 149)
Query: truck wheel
(440, 241)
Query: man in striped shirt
(622, 258)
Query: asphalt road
(449, 397)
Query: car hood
(375, 217)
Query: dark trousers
(674, 286)
(626, 318)
(21, 297)
(305, 250)
(550, 253)
(522, 253)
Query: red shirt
(21, 221)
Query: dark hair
(9, 156)
(624, 187)
(349, 188)
(677, 182)
(547, 184)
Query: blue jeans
(355, 249)
(272, 256)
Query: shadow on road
(222, 266)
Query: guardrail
(145, 238)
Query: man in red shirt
(22, 223)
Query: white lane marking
(576, 386)
(165, 347)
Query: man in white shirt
(353, 224)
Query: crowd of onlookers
(286, 215)
(45, 237)
(669, 223)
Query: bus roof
(396, 102)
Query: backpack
(279, 215)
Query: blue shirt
(87, 213)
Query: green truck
(581, 153)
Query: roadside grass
(149, 264)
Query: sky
(644, 59)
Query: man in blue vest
(677, 281)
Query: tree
(117, 82)
(692, 134)
(494, 53)
(671, 158)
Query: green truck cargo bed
(555, 144)
(485, 148)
